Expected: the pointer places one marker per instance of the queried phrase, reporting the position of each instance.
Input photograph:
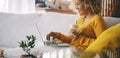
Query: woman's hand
(51, 34)
(74, 32)
(75, 29)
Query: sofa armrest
(111, 21)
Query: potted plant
(27, 45)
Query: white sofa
(15, 27)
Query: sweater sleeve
(63, 37)
(99, 25)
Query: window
(3, 5)
(41, 3)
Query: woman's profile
(89, 25)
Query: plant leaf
(28, 37)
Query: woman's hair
(94, 5)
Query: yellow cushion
(109, 39)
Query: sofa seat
(15, 27)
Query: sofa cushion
(15, 27)
(55, 22)
(110, 21)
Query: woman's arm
(59, 36)
(99, 25)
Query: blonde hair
(94, 5)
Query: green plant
(28, 44)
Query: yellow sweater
(90, 31)
(109, 39)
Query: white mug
(75, 27)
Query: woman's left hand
(74, 32)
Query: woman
(91, 25)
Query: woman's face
(80, 7)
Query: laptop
(51, 42)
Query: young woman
(90, 23)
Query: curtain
(117, 9)
(108, 7)
(19, 6)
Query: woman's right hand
(51, 34)
(74, 32)
(75, 29)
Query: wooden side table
(1, 53)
